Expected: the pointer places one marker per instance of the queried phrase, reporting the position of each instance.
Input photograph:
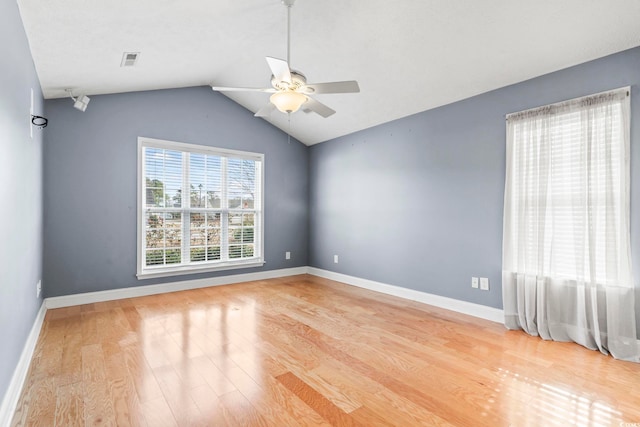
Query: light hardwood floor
(308, 351)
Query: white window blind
(568, 182)
(200, 208)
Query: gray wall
(418, 202)
(90, 166)
(20, 192)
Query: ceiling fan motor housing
(298, 81)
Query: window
(566, 267)
(567, 187)
(199, 208)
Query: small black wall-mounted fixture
(39, 121)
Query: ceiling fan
(290, 90)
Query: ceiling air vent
(129, 59)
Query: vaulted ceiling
(408, 56)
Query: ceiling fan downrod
(289, 4)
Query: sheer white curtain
(566, 269)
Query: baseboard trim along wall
(476, 310)
(12, 395)
(140, 291)
(464, 307)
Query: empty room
(305, 213)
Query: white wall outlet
(38, 288)
(474, 282)
(484, 283)
(287, 255)
(335, 259)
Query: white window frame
(186, 266)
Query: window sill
(178, 271)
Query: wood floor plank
(317, 401)
(126, 403)
(42, 405)
(264, 373)
(71, 357)
(69, 405)
(98, 406)
(89, 328)
(157, 413)
(213, 413)
(263, 403)
(212, 375)
(366, 417)
(303, 350)
(177, 396)
(241, 410)
(144, 381)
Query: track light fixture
(80, 102)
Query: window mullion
(257, 207)
(164, 204)
(224, 217)
(142, 216)
(186, 210)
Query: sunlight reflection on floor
(532, 402)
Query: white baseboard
(476, 310)
(139, 291)
(12, 395)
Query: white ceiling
(407, 55)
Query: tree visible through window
(218, 225)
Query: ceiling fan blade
(280, 69)
(243, 89)
(265, 111)
(350, 86)
(317, 107)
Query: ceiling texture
(408, 56)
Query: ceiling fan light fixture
(288, 101)
(289, 87)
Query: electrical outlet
(287, 255)
(38, 288)
(484, 283)
(335, 259)
(474, 282)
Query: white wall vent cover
(129, 59)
